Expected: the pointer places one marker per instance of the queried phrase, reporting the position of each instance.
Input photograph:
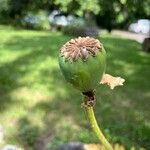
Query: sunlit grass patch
(36, 104)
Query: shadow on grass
(38, 49)
(123, 113)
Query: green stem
(96, 129)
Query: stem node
(89, 101)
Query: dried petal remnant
(80, 47)
(111, 81)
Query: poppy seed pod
(82, 61)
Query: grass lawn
(37, 106)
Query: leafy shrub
(27, 133)
(35, 21)
(80, 27)
(81, 31)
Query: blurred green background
(38, 109)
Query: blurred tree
(120, 13)
(3, 10)
(17, 8)
(134, 9)
(79, 7)
(109, 14)
(3, 5)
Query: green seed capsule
(82, 62)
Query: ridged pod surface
(82, 61)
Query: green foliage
(37, 103)
(81, 30)
(27, 133)
(4, 5)
(38, 21)
(4, 11)
(81, 27)
(88, 6)
(109, 14)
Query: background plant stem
(96, 129)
